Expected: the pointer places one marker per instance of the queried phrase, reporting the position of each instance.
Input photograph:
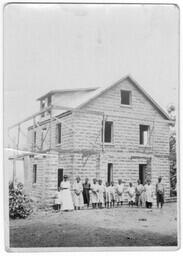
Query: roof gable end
(102, 90)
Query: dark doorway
(60, 176)
(110, 173)
(142, 173)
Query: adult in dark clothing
(160, 192)
(86, 192)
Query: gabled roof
(78, 98)
(67, 91)
(101, 90)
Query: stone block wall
(81, 132)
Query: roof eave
(66, 91)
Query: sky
(55, 46)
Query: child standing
(148, 194)
(160, 192)
(101, 190)
(94, 193)
(78, 195)
(120, 191)
(138, 190)
(131, 194)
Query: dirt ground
(101, 227)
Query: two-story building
(114, 132)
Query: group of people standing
(99, 195)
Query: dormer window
(43, 105)
(125, 97)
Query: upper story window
(43, 135)
(34, 176)
(144, 134)
(125, 97)
(43, 105)
(58, 133)
(108, 132)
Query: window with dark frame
(108, 132)
(125, 97)
(34, 180)
(59, 133)
(60, 177)
(43, 135)
(144, 134)
(42, 107)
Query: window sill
(108, 144)
(58, 145)
(125, 106)
(145, 146)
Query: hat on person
(65, 176)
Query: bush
(19, 204)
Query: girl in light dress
(131, 195)
(101, 191)
(78, 194)
(148, 194)
(120, 192)
(94, 193)
(66, 197)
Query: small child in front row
(131, 195)
(120, 192)
(101, 191)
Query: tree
(172, 144)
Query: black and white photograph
(91, 113)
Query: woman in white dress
(131, 194)
(120, 192)
(66, 197)
(94, 193)
(78, 194)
